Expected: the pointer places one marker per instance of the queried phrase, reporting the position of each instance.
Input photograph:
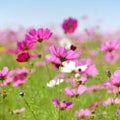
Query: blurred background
(36, 13)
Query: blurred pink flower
(111, 57)
(111, 101)
(83, 113)
(75, 92)
(93, 88)
(110, 46)
(38, 35)
(17, 111)
(6, 82)
(118, 112)
(69, 25)
(62, 105)
(40, 63)
(54, 60)
(13, 51)
(23, 57)
(3, 73)
(25, 45)
(92, 71)
(70, 92)
(91, 68)
(115, 78)
(20, 77)
(90, 31)
(95, 104)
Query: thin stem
(47, 69)
(30, 108)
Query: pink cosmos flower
(25, 45)
(110, 87)
(115, 78)
(110, 46)
(23, 57)
(22, 71)
(54, 60)
(83, 79)
(83, 113)
(3, 73)
(7, 81)
(38, 35)
(111, 101)
(70, 25)
(20, 77)
(111, 57)
(92, 71)
(95, 104)
(17, 111)
(62, 54)
(62, 105)
(8, 78)
(93, 53)
(75, 92)
(91, 68)
(93, 88)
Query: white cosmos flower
(53, 83)
(65, 42)
(70, 66)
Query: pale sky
(45, 12)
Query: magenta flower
(8, 78)
(110, 46)
(20, 77)
(62, 105)
(115, 78)
(25, 45)
(62, 54)
(23, 57)
(38, 35)
(3, 73)
(83, 113)
(70, 25)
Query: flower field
(45, 75)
